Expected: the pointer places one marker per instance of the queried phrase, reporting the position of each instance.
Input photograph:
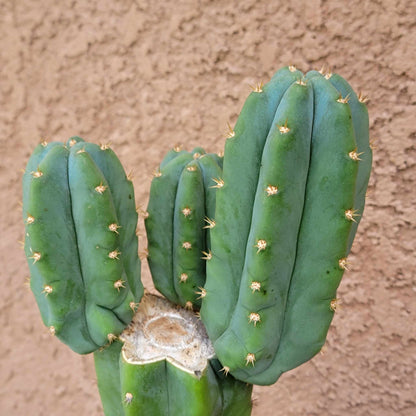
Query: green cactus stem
(296, 168)
(179, 221)
(164, 366)
(80, 242)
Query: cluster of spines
(180, 218)
(80, 242)
(285, 289)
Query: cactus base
(163, 360)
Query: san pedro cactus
(180, 212)
(80, 242)
(165, 366)
(296, 168)
(258, 240)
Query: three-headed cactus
(296, 168)
(180, 212)
(80, 242)
(259, 241)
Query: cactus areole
(295, 173)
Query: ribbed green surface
(163, 389)
(282, 224)
(71, 195)
(182, 197)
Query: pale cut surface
(160, 330)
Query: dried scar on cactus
(161, 331)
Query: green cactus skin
(182, 199)
(80, 242)
(187, 383)
(285, 220)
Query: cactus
(164, 366)
(80, 242)
(296, 168)
(181, 206)
(259, 241)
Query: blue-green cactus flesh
(295, 172)
(181, 206)
(79, 210)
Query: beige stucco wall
(145, 75)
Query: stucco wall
(145, 75)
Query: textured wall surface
(145, 75)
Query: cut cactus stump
(163, 360)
